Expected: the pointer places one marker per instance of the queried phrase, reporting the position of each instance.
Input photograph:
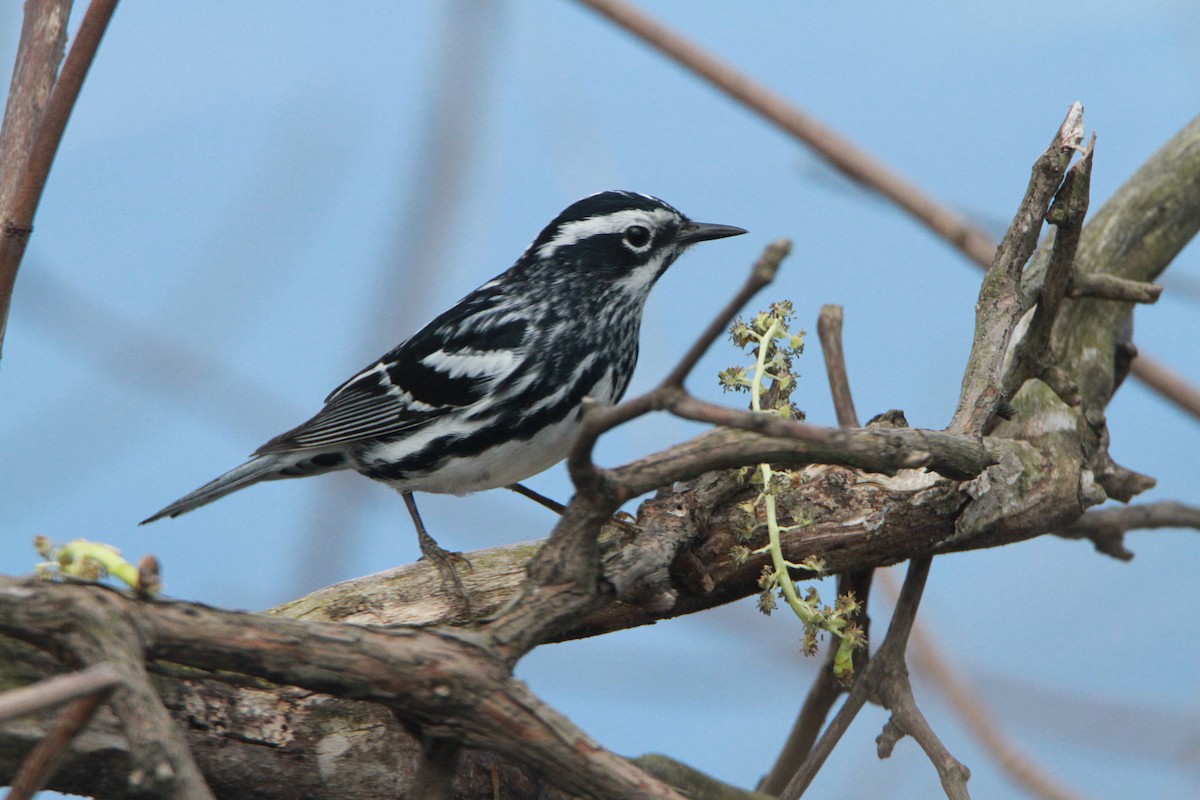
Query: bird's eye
(637, 236)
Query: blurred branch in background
(856, 164)
(186, 361)
(408, 271)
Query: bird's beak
(693, 232)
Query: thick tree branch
(446, 685)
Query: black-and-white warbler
(490, 392)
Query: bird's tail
(266, 467)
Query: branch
(43, 42)
(447, 685)
(85, 690)
(999, 306)
(886, 677)
(57, 690)
(1032, 356)
(1022, 770)
(1103, 286)
(829, 330)
(34, 168)
(1106, 527)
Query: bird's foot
(448, 563)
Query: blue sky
(245, 211)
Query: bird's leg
(540, 499)
(624, 520)
(437, 555)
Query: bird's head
(623, 239)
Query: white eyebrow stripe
(576, 230)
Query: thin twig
(57, 690)
(829, 330)
(932, 664)
(40, 765)
(18, 219)
(1106, 527)
(877, 677)
(1103, 286)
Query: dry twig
(85, 691)
(33, 166)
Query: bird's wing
(447, 366)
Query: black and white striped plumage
(489, 393)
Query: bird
(492, 391)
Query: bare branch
(40, 51)
(857, 164)
(57, 690)
(829, 330)
(1106, 527)
(18, 217)
(999, 306)
(42, 762)
(767, 438)
(1103, 286)
(886, 678)
(1032, 356)
(929, 662)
